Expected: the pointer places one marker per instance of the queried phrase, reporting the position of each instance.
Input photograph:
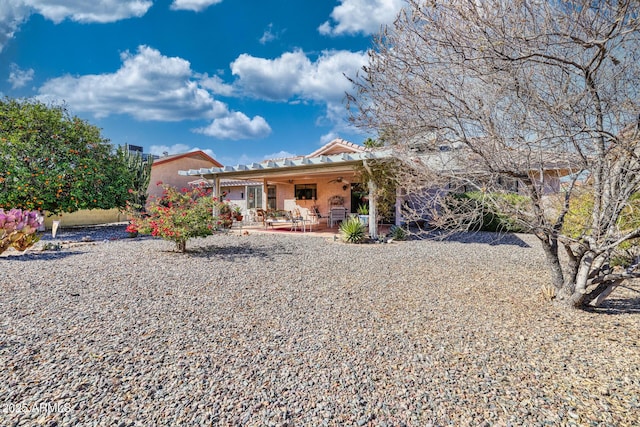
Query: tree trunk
(600, 293)
(550, 247)
(181, 246)
(574, 290)
(570, 284)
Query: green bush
(181, 215)
(397, 233)
(363, 209)
(578, 221)
(352, 230)
(482, 212)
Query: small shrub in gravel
(181, 215)
(352, 230)
(18, 229)
(397, 233)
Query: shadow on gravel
(234, 253)
(618, 306)
(483, 237)
(40, 256)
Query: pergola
(313, 168)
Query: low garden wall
(86, 217)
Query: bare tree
(493, 93)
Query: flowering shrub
(180, 215)
(18, 229)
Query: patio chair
(314, 216)
(296, 220)
(260, 215)
(336, 215)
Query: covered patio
(308, 187)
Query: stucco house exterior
(329, 177)
(165, 169)
(309, 184)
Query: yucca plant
(352, 230)
(397, 233)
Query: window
(271, 197)
(306, 191)
(254, 197)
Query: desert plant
(18, 229)
(180, 215)
(363, 209)
(139, 168)
(352, 230)
(397, 233)
(478, 211)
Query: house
(165, 169)
(329, 177)
(245, 194)
(316, 182)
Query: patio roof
(291, 166)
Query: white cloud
(148, 86)
(12, 15)
(193, 5)
(89, 11)
(294, 78)
(294, 75)
(160, 150)
(268, 35)
(19, 78)
(15, 12)
(215, 84)
(237, 126)
(327, 138)
(272, 79)
(361, 16)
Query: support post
(373, 205)
(215, 190)
(265, 194)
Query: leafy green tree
(52, 161)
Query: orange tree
(52, 161)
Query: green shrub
(397, 233)
(482, 211)
(578, 222)
(181, 215)
(352, 230)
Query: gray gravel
(276, 330)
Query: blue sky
(243, 80)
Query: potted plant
(363, 213)
(237, 213)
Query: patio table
(294, 223)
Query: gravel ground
(276, 330)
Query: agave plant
(353, 230)
(18, 229)
(397, 233)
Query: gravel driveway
(276, 330)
